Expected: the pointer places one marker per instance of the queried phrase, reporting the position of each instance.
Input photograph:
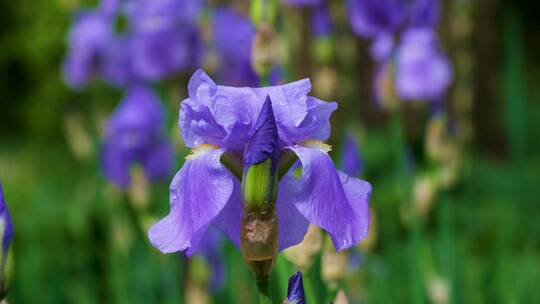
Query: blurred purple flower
(422, 72)
(163, 37)
(321, 21)
(351, 162)
(370, 18)
(295, 290)
(382, 47)
(233, 36)
(88, 40)
(6, 225)
(135, 134)
(218, 119)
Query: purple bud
(295, 292)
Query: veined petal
(229, 219)
(293, 225)
(331, 200)
(198, 193)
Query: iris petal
(198, 193)
(331, 200)
(293, 225)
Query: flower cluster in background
(405, 46)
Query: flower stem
(264, 292)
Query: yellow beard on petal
(201, 150)
(316, 144)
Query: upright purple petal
(370, 18)
(225, 116)
(351, 163)
(198, 193)
(332, 200)
(7, 226)
(424, 13)
(233, 35)
(423, 72)
(299, 117)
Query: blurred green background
(77, 242)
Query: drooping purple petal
(225, 116)
(332, 200)
(351, 162)
(230, 218)
(7, 225)
(293, 225)
(295, 290)
(424, 13)
(233, 35)
(423, 72)
(370, 18)
(198, 193)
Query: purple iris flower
(88, 40)
(215, 120)
(351, 163)
(6, 225)
(371, 18)
(135, 134)
(422, 72)
(233, 36)
(295, 291)
(163, 37)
